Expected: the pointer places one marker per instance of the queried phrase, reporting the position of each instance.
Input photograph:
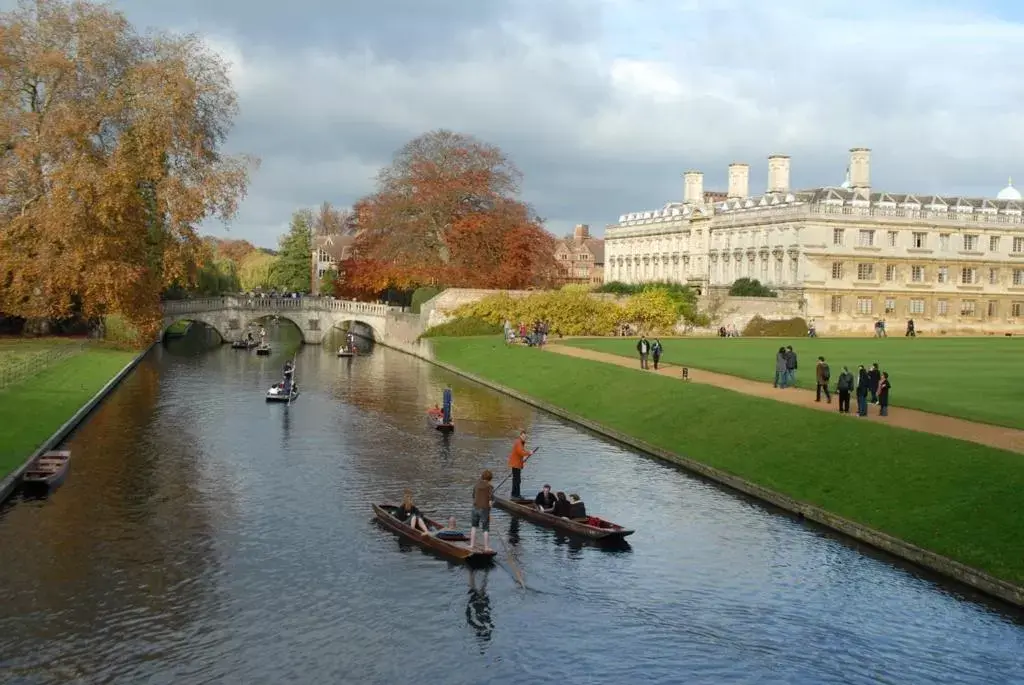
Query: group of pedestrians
(870, 385)
(645, 348)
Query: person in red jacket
(516, 461)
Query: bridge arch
(197, 318)
(281, 317)
(375, 334)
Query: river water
(205, 536)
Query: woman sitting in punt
(562, 505)
(408, 513)
(576, 508)
(451, 531)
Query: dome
(1009, 192)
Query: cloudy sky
(604, 103)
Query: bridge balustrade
(207, 304)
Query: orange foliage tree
(446, 212)
(110, 155)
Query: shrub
(118, 331)
(784, 328)
(462, 327)
(421, 295)
(569, 312)
(750, 287)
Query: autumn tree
(292, 271)
(110, 156)
(330, 220)
(446, 212)
(256, 271)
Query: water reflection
(478, 608)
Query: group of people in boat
(557, 504)
(442, 413)
(288, 385)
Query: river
(206, 536)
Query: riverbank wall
(942, 565)
(10, 483)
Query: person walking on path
(791, 365)
(883, 395)
(844, 386)
(822, 375)
(644, 348)
(875, 377)
(863, 384)
(656, 352)
(483, 493)
(517, 461)
(780, 368)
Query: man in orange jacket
(517, 460)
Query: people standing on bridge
(517, 461)
(446, 406)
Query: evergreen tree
(292, 272)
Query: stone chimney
(693, 187)
(778, 174)
(739, 181)
(581, 232)
(860, 169)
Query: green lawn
(980, 379)
(18, 353)
(31, 410)
(955, 498)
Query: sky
(603, 104)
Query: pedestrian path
(1011, 439)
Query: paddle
(510, 473)
(291, 386)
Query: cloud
(604, 103)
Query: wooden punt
(438, 423)
(48, 471)
(604, 530)
(454, 548)
(280, 396)
(243, 344)
(263, 350)
(346, 352)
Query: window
(968, 276)
(837, 236)
(993, 276)
(890, 305)
(917, 274)
(917, 306)
(993, 243)
(866, 238)
(865, 272)
(864, 305)
(890, 272)
(1018, 244)
(943, 274)
(1016, 309)
(993, 308)
(968, 308)
(944, 242)
(837, 270)
(836, 306)
(942, 307)
(920, 240)
(893, 236)
(970, 243)
(1018, 277)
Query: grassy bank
(979, 379)
(32, 409)
(955, 498)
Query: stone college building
(850, 254)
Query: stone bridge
(314, 317)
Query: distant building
(328, 252)
(852, 253)
(580, 257)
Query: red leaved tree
(445, 213)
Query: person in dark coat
(643, 347)
(791, 365)
(822, 376)
(656, 350)
(883, 394)
(780, 368)
(875, 376)
(863, 387)
(844, 386)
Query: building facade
(580, 257)
(328, 252)
(852, 253)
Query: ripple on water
(205, 536)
